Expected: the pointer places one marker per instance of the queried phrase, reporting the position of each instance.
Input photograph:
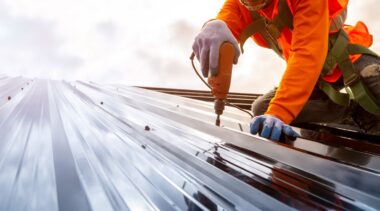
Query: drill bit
(219, 108)
(217, 121)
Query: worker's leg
(369, 67)
(319, 108)
(260, 105)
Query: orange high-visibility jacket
(304, 48)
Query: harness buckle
(273, 30)
(352, 79)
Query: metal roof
(87, 146)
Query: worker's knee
(372, 70)
(371, 76)
(260, 105)
(369, 68)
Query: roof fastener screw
(147, 128)
(9, 98)
(143, 146)
(101, 103)
(22, 88)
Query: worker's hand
(207, 43)
(272, 127)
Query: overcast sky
(140, 42)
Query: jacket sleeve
(235, 15)
(307, 55)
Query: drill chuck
(219, 106)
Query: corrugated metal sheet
(85, 146)
(242, 100)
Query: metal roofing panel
(86, 146)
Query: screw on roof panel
(9, 98)
(101, 103)
(147, 128)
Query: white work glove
(207, 43)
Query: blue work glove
(272, 127)
(207, 43)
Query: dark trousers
(320, 109)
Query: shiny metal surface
(86, 146)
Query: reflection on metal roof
(86, 146)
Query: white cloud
(121, 41)
(31, 46)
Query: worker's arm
(307, 55)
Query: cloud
(114, 41)
(168, 70)
(182, 33)
(32, 43)
(135, 43)
(107, 29)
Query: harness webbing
(270, 31)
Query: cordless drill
(220, 84)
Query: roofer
(324, 56)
